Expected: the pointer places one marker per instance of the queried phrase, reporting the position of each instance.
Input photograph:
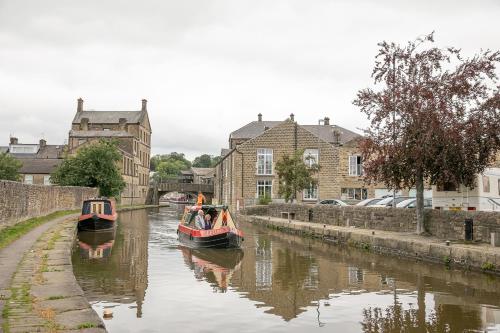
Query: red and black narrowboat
(223, 233)
(97, 215)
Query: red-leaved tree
(434, 116)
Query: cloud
(208, 67)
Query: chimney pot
(292, 117)
(79, 107)
(144, 105)
(259, 117)
(327, 121)
(13, 140)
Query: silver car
(334, 202)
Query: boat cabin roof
(98, 199)
(205, 207)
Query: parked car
(387, 202)
(334, 202)
(369, 202)
(412, 203)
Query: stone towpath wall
(20, 201)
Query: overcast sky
(209, 67)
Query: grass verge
(10, 234)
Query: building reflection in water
(287, 275)
(216, 266)
(120, 273)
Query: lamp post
(317, 161)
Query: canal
(276, 283)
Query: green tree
(206, 161)
(93, 166)
(9, 167)
(169, 165)
(294, 175)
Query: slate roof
(103, 134)
(47, 151)
(253, 129)
(325, 132)
(39, 165)
(109, 117)
(203, 171)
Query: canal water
(276, 283)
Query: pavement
(37, 282)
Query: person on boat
(208, 222)
(200, 220)
(201, 199)
(224, 217)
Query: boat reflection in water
(96, 245)
(216, 266)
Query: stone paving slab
(45, 296)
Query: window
(106, 129)
(264, 161)
(311, 157)
(28, 179)
(354, 193)
(447, 186)
(486, 184)
(264, 188)
(46, 180)
(355, 165)
(311, 193)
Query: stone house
(38, 160)
(132, 131)
(247, 168)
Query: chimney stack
(43, 143)
(259, 117)
(13, 140)
(79, 107)
(327, 121)
(144, 105)
(292, 117)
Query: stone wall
(442, 224)
(20, 201)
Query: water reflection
(276, 282)
(122, 276)
(96, 245)
(215, 266)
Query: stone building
(247, 168)
(132, 131)
(38, 160)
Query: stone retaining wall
(439, 223)
(20, 201)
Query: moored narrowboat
(222, 234)
(97, 214)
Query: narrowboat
(222, 235)
(98, 214)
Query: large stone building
(247, 168)
(132, 131)
(38, 160)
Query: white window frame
(264, 161)
(310, 193)
(28, 179)
(355, 163)
(311, 157)
(46, 180)
(264, 183)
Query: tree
(294, 175)
(95, 165)
(206, 161)
(169, 165)
(9, 167)
(435, 117)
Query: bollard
(469, 229)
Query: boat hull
(220, 240)
(95, 223)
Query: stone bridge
(161, 188)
